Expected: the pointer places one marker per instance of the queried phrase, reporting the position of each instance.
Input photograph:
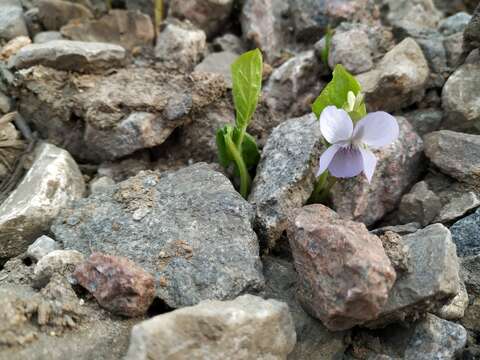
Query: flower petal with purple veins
(347, 162)
(369, 163)
(327, 158)
(376, 130)
(335, 125)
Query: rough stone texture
(208, 15)
(105, 117)
(129, 29)
(53, 14)
(219, 63)
(50, 184)
(399, 79)
(459, 100)
(70, 55)
(101, 184)
(285, 175)
(13, 46)
(455, 308)
(454, 48)
(471, 35)
(314, 341)
(454, 24)
(62, 262)
(413, 14)
(470, 268)
(118, 284)
(456, 154)
(229, 42)
(292, 87)
(397, 169)
(12, 22)
(190, 228)
(41, 247)
(181, 43)
(425, 121)
(352, 50)
(345, 275)
(432, 279)
(457, 204)
(46, 36)
(420, 205)
(466, 235)
(245, 328)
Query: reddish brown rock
(344, 273)
(118, 284)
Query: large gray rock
(399, 80)
(52, 181)
(421, 204)
(466, 235)
(352, 50)
(425, 121)
(70, 55)
(189, 228)
(413, 14)
(12, 22)
(245, 328)
(219, 63)
(454, 24)
(397, 169)
(459, 100)
(455, 154)
(285, 175)
(53, 14)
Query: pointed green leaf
(250, 153)
(224, 156)
(247, 85)
(336, 92)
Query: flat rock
(399, 80)
(219, 63)
(50, 184)
(344, 274)
(245, 328)
(285, 175)
(70, 55)
(455, 154)
(466, 235)
(189, 228)
(129, 29)
(398, 167)
(53, 14)
(12, 22)
(46, 36)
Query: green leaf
(336, 92)
(224, 156)
(250, 153)
(247, 85)
(326, 50)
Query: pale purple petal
(347, 162)
(326, 158)
(335, 125)
(369, 163)
(376, 130)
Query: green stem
(322, 188)
(245, 180)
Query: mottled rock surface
(41, 247)
(425, 121)
(189, 228)
(285, 175)
(219, 63)
(245, 328)
(12, 21)
(345, 275)
(52, 181)
(352, 50)
(466, 235)
(421, 205)
(53, 14)
(61, 262)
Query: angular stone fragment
(455, 154)
(70, 55)
(454, 24)
(458, 204)
(425, 121)
(344, 273)
(61, 262)
(53, 14)
(245, 328)
(46, 36)
(455, 308)
(219, 63)
(399, 80)
(285, 175)
(420, 204)
(189, 228)
(466, 235)
(118, 284)
(50, 184)
(413, 14)
(352, 50)
(41, 247)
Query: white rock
(41, 247)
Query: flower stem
(245, 179)
(322, 187)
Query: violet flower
(349, 153)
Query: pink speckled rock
(397, 169)
(344, 273)
(118, 284)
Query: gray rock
(466, 235)
(397, 169)
(432, 279)
(314, 341)
(230, 42)
(425, 121)
(181, 43)
(41, 247)
(433, 47)
(46, 36)
(419, 205)
(352, 50)
(399, 79)
(457, 204)
(189, 228)
(53, 14)
(5, 103)
(101, 184)
(213, 329)
(285, 175)
(454, 48)
(459, 99)
(12, 22)
(455, 308)
(70, 55)
(413, 14)
(455, 154)
(471, 35)
(219, 63)
(454, 24)
(208, 15)
(50, 184)
(57, 262)
(470, 268)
